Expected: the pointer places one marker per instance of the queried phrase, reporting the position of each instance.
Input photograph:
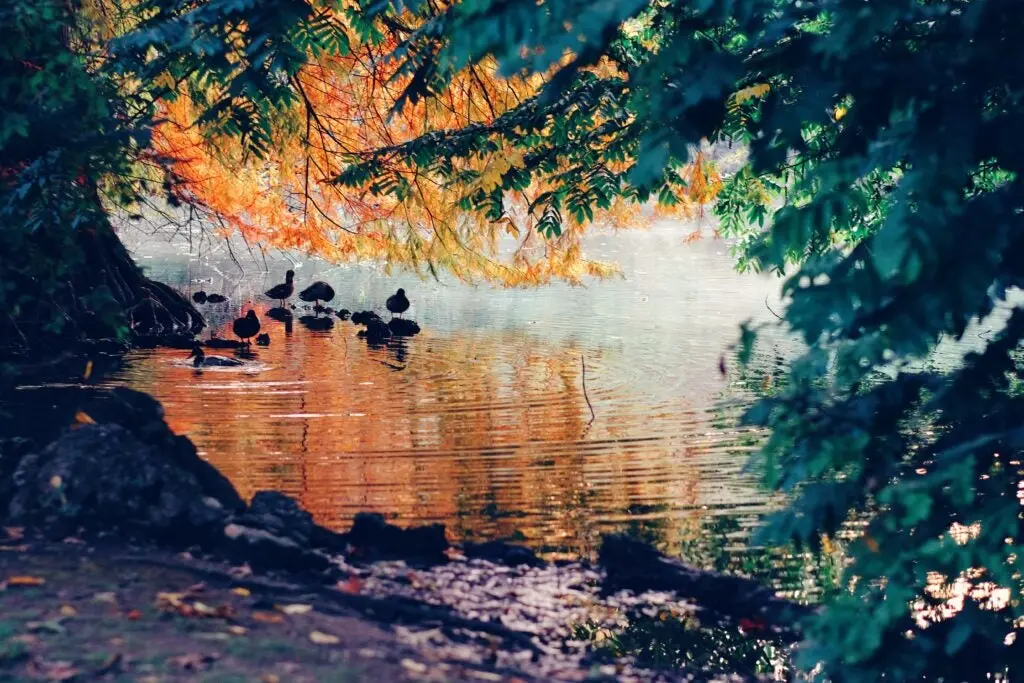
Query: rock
(500, 552)
(281, 515)
(316, 323)
(143, 416)
(279, 314)
(372, 537)
(262, 549)
(364, 317)
(103, 478)
(376, 332)
(401, 327)
(343, 314)
(12, 450)
(634, 565)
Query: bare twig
(593, 415)
(770, 309)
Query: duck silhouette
(317, 292)
(201, 360)
(398, 303)
(199, 297)
(215, 298)
(284, 290)
(248, 327)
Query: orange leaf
(133, 614)
(352, 586)
(267, 617)
(83, 418)
(25, 581)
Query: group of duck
(248, 326)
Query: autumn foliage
(290, 197)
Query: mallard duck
(215, 298)
(317, 292)
(199, 297)
(398, 303)
(247, 327)
(282, 291)
(201, 360)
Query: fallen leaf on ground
(14, 548)
(68, 611)
(237, 630)
(204, 610)
(83, 418)
(25, 581)
(352, 585)
(108, 597)
(193, 661)
(484, 675)
(240, 572)
(14, 533)
(133, 614)
(321, 638)
(414, 666)
(267, 617)
(48, 626)
(241, 592)
(53, 671)
(293, 609)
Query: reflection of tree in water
(487, 432)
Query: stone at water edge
(143, 416)
(373, 538)
(500, 552)
(101, 478)
(403, 327)
(264, 550)
(282, 515)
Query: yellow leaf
(237, 630)
(68, 611)
(88, 370)
(321, 638)
(292, 610)
(839, 113)
(750, 92)
(241, 592)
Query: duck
(317, 292)
(247, 327)
(398, 303)
(263, 339)
(284, 290)
(199, 297)
(215, 298)
(201, 360)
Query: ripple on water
(481, 421)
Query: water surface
(480, 422)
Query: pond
(481, 422)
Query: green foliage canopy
(884, 179)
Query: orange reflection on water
(488, 433)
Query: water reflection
(480, 422)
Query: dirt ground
(73, 613)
